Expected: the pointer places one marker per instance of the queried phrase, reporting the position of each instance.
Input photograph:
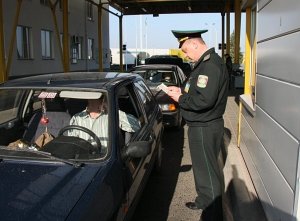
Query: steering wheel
(84, 129)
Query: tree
(231, 51)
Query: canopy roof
(156, 7)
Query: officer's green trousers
(205, 144)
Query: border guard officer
(203, 102)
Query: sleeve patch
(202, 81)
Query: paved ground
(166, 193)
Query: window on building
(44, 2)
(91, 48)
(76, 48)
(90, 11)
(46, 44)
(24, 46)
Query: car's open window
(146, 98)
(10, 101)
(128, 103)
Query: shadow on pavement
(157, 196)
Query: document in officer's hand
(163, 87)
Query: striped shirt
(99, 125)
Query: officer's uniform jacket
(205, 93)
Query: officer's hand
(174, 89)
(174, 95)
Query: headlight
(167, 107)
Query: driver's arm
(128, 122)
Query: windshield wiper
(49, 156)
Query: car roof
(155, 66)
(72, 80)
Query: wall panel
(282, 148)
(278, 17)
(281, 101)
(278, 205)
(280, 58)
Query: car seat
(58, 118)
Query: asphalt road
(165, 194)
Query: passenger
(167, 77)
(95, 118)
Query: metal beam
(13, 37)
(228, 27)
(100, 47)
(121, 41)
(237, 32)
(3, 76)
(66, 36)
(57, 33)
(247, 87)
(223, 30)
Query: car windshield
(167, 77)
(71, 125)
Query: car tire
(158, 159)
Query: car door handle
(152, 137)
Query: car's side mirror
(137, 149)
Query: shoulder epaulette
(207, 57)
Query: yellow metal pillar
(247, 87)
(100, 44)
(57, 33)
(227, 27)
(13, 37)
(121, 41)
(237, 31)
(66, 36)
(3, 76)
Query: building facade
(36, 48)
(270, 115)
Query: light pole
(215, 40)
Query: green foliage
(232, 40)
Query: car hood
(41, 191)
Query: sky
(146, 31)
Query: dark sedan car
(47, 174)
(170, 75)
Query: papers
(163, 87)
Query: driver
(95, 118)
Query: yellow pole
(53, 7)
(239, 125)
(121, 42)
(100, 37)
(3, 76)
(13, 38)
(247, 87)
(66, 36)
(227, 27)
(237, 31)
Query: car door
(138, 101)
